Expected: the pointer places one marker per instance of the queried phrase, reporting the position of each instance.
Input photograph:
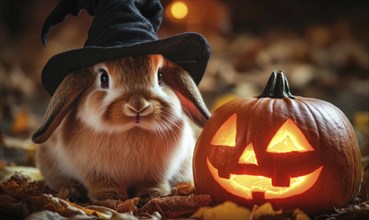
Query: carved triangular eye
(248, 156)
(226, 134)
(289, 138)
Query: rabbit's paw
(107, 193)
(152, 192)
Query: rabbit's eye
(104, 79)
(160, 78)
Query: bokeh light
(179, 10)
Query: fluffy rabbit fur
(120, 131)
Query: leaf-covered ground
(22, 198)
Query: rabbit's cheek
(111, 96)
(96, 98)
(92, 108)
(91, 116)
(173, 101)
(158, 90)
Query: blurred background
(321, 45)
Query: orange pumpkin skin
(325, 127)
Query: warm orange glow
(179, 10)
(289, 138)
(248, 156)
(245, 185)
(226, 134)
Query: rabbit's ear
(187, 92)
(64, 98)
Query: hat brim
(191, 51)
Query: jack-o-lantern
(291, 151)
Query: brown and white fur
(123, 138)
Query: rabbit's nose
(133, 111)
(137, 107)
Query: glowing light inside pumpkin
(289, 138)
(226, 134)
(245, 185)
(248, 156)
(179, 10)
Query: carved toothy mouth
(261, 187)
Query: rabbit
(121, 128)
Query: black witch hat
(121, 28)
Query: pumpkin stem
(277, 87)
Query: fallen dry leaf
(12, 207)
(226, 210)
(128, 205)
(46, 214)
(20, 198)
(175, 206)
(183, 189)
(265, 209)
(300, 215)
(19, 187)
(231, 211)
(54, 204)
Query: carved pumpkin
(295, 152)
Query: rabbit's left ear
(187, 92)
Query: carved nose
(137, 106)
